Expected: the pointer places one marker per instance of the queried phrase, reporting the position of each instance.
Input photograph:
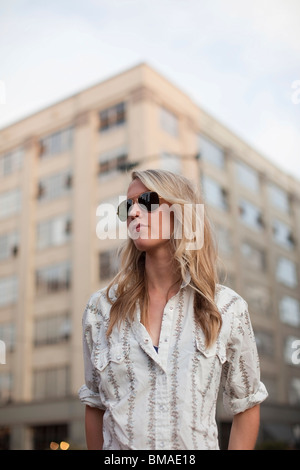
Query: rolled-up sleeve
(242, 388)
(89, 392)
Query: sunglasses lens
(149, 200)
(123, 209)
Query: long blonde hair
(201, 264)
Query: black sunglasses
(148, 201)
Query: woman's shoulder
(100, 302)
(228, 300)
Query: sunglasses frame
(142, 206)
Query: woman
(163, 335)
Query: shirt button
(171, 308)
(146, 340)
(119, 358)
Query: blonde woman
(163, 335)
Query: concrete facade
(56, 167)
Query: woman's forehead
(136, 187)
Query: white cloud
(236, 59)
(281, 140)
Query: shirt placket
(162, 360)
(163, 437)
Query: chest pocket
(109, 356)
(113, 368)
(217, 350)
(209, 363)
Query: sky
(237, 59)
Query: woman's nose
(134, 211)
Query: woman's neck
(161, 270)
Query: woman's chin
(146, 244)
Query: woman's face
(148, 230)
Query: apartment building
(56, 167)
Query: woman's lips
(139, 226)
(135, 228)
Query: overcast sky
(238, 59)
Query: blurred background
(90, 90)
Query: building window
(112, 117)
(251, 215)
(112, 162)
(6, 387)
(272, 387)
(10, 203)
(11, 162)
(51, 383)
(294, 391)
(225, 277)
(45, 437)
(7, 334)
(282, 234)
(278, 198)
(8, 290)
(286, 272)
(289, 311)
(224, 237)
(54, 186)
(52, 329)
(258, 298)
(9, 245)
(211, 152)
(53, 279)
(54, 232)
(109, 264)
(247, 176)
(254, 257)
(214, 193)
(56, 143)
(5, 438)
(290, 351)
(265, 343)
(169, 122)
(171, 162)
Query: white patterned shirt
(167, 400)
